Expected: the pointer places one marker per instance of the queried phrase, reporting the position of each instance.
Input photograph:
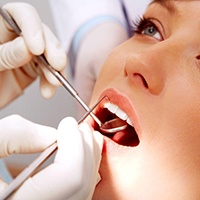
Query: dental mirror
(113, 126)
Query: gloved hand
(74, 173)
(18, 135)
(16, 52)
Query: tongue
(118, 137)
(126, 138)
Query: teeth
(107, 105)
(129, 122)
(113, 108)
(117, 111)
(122, 115)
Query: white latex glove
(18, 135)
(16, 52)
(74, 173)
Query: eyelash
(140, 23)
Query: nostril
(142, 78)
(198, 57)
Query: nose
(149, 67)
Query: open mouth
(127, 137)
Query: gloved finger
(54, 52)
(93, 142)
(55, 56)
(14, 54)
(65, 176)
(70, 143)
(90, 145)
(32, 29)
(93, 147)
(18, 135)
(47, 89)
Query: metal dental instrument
(111, 126)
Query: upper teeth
(117, 111)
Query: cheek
(116, 61)
(176, 125)
(111, 70)
(180, 134)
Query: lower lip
(109, 146)
(112, 147)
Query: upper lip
(120, 99)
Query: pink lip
(121, 100)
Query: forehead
(171, 4)
(166, 3)
(185, 9)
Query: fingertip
(85, 126)
(66, 123)
(50, 136)
(58, 58)
(47, 90)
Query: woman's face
(154, 78)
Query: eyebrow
(169, 5)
